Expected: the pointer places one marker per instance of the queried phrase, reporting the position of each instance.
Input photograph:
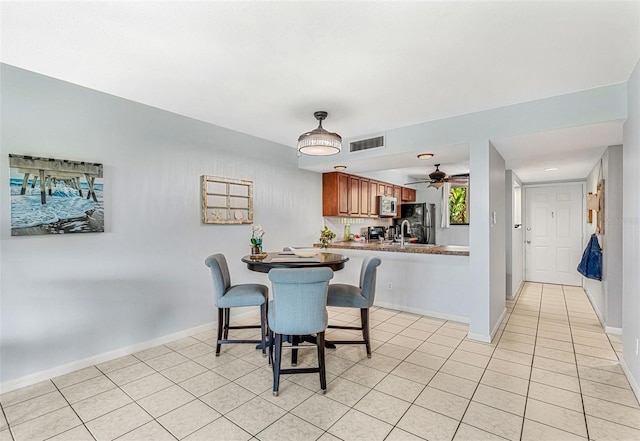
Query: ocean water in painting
(65, 210)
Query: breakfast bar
(430, 280)
(395, 247)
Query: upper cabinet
(408, 194)
(348, 195)
(335, 194)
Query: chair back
(368, 274)
(220, 274)
(299, 304)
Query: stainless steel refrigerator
(422, 219)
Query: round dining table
(286, 259)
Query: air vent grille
(367, 144)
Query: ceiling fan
(437, 178)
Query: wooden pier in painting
(49, 171)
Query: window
(459, 205)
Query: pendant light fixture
(319, 142)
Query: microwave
(387, 206)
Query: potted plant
(256, 239)
(326, 236)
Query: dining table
(265, 262)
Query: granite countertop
(450, 250)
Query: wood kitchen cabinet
(354, 195)
(345, 195)
(385, 189)
(408, 194)
(335, 194)
(373, 199)
(365, 208)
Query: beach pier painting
(48, 196)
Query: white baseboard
(440, 315)
(595, 308)
(57, 371)
(496, 327)
(479, 337)
(632, 381)
(612, 330)
(488, 338)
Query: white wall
(430, 284)
(70, 297)
(514, 241)
(631, 232)
(606, 295)
(487, 264)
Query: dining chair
(233, 296)
(361, 296)
(298, 308)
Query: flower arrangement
(256, 239)
(326, 236)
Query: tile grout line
(535, 343)
(584, 411)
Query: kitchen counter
(449, 250)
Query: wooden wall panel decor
(226, 201)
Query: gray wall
(606, 295)
(631, 232)
(70, 297)
(514, 236)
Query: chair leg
(227, 315)
(323, 372)
(263, 327)
(295, 341)
(276, 364)
(220, 326)
(271, 343)
(364, 318)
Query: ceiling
(263, 68)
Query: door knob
(528, 241)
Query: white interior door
(553, 233)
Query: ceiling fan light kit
(319, 142)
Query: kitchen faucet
(402, 232)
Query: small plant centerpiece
(256, 239)
(326, 236)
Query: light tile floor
(550, 374)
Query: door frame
(583, 226)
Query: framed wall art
(226, 201)
(55, 196)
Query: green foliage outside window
(458, 206)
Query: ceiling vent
(367, 144)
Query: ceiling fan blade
(418, 182)
(460, 175)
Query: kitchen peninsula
(427, 280)
(449, 250)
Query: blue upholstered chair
(298, 308)
(362, 296)
(233, 296)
